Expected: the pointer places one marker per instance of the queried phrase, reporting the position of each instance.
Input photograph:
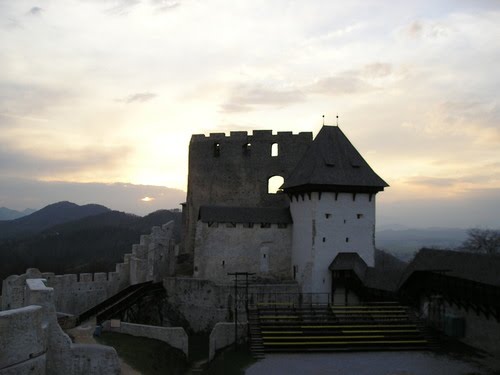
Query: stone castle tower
(326, 206)
(235, 171)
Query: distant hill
(8, 214)
(90, 244)
(47, 217)
(404, 243)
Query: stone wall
(481, 331)
(223, 335)
(238, 248)
(176, 337)
(74, 294)
(32, 342)
(203, 303)
(234, 171)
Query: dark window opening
(247, 225)
(223, 263)
(247, 147)
(328, 216)
(347, 239)
(359, 216)
(264, 256)
(265, 225)
(324, 239)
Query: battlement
(74, 293)
(254, 135)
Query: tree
(486, 241)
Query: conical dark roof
(331, 163)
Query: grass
(148, 356)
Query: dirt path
(83, 334)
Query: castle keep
(234, 222)
(307, 242)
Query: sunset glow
(415, 85)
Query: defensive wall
(176, 337)
(76, 293)
(263, 249)
(203, 303)
(234, 170)
(32, 342)
(478, 329)
(223, 335)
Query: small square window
(328, 216)
(359, 216)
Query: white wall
(317, 239)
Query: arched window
(274, 184)
(274, 149)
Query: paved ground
(83, 334)
(369, 363)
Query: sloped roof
(469, 266)
(228, 214)
(332, 163)
(349, 261)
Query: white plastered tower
(332, 202)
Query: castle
(325, 206)
(313, 236)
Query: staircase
(368, 327)
(116, 304)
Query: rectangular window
(359, 216)
(328, 216)
(265, 225)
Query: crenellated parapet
(235, 170)
(75, 293)
(31, 340)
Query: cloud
(60, 161)
(140, 97)
(35, 11)
(122, 7)
(249, 97)
(29, 193)
(165, 5)
(432, 30)
(341, 84)
(377, 70)
(26, 101)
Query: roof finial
(323, 120)
(337, 119)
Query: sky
(99, 98)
